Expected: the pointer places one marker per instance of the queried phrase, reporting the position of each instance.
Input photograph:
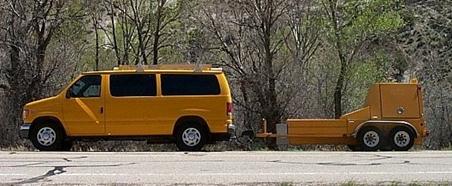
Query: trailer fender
(403, 123)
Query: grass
(142, 146)
(350, 183)
(286, 184)
(449, 147)
(395, 183)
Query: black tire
(401, 138)
(191, 137)
(67, 145)
(354, 147)
(51, 136)
(370, 138)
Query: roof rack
(194, 67)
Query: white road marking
(244, 174)
(12, 174)
(224, 168)
(252, 174)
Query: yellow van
(188, 105)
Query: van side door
(129, 103)
(83, 107)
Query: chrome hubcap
(46, 136)
(371, 139)
(191, 137)
(401, 139)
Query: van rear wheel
(191, 137)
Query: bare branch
(4, 86)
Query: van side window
(86, 86)
(182, 84)
(132, 85)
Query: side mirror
(69, 93)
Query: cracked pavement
(225, 168)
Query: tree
(250, 48)
(30, 27)
(166, 14)
(252, 39)
(142, 26)
(351, 25)
(426, 43)
(95, 14)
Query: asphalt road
(225, 168)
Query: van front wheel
(47, 137)
(190, 137)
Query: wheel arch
(395, 123)
(52, 119)
(190, 119)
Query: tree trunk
(113, 32)
(97, 44)
(342, 59)
(272, 106)
(338, 91)
(272, 114)
(155, 46)
(141, 45)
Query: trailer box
(391, 118)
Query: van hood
(40, 101)
(43, 103)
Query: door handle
(101, 110)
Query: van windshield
(86, 86)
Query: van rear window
(132, 85)
(183, 84)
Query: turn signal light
(228, 108)
(26, 113)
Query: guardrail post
(281, 140)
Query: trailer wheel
(370, 138)
(402, 138)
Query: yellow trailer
(391, 119)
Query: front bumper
(24, 130)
